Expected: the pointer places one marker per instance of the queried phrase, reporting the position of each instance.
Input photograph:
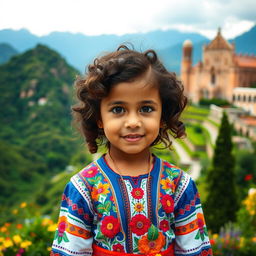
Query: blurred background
(44, 45)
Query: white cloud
(120, 17)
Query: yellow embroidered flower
(17, 239)
(167, 184)
(139, 207)
(99, 190)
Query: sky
(95, 17)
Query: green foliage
(36, 135)
(221, 203)
(215, 101)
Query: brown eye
(146, 109)
(117, 110)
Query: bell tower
(186, 65)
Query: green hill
(37, 140)
(6, 52)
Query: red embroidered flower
(200, 222)
(167, 203)
(91, 172)
(62, 227)
(139, 224)
(164, 225)
(118, 248)
(137, 193)
(110, 226)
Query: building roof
(249, 120)
(219, 42)
(245, 61)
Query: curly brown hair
(124, 65)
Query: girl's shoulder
(174, 174)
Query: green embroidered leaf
(169, 172)
(107, 206)
(92, 180)
(98, 178)
(101, 208)
(197, 235)
(136, 249)
(153, 233)
(202, 236)
(100, 235)
(136, 240)
(65, 238)
(114, 208)
(59, 239)
(205, 231)
(56, 235)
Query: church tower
(186, 64)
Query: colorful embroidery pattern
(124, 217)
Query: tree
(221, 204)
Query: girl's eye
(117, 110)
(146, 109)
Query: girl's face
(131, 116)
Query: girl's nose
(133, 121)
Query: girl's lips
(133, 137)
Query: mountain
(36, 138)
(80, 50)
(6, 52)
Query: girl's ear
(100, 124)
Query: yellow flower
(7, 243)
(23, 205)
(242, 242)
(47, 222)
(1, 239)
(52, 228)
(254, 239)
(17, 239)
(15, 211)
(139, 207)
(25, 244)
(215, 236)
(49, 249)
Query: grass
(195, 134)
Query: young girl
(130, 202)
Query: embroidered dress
(100, 210)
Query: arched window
(254, 99)
(249, 98)
(238, 97)
(244, 98)
(234, 97)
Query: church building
(219, 73)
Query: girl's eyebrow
(124, 102)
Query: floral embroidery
(164, 225)
(100, 189)
(139, 224)
(110, 226)
(89, 173)
(118, 248)
(139, 207)
(146, 246)
(60, 233)
(167, 203)
(202, 232)
(137, 193)
(167, 184)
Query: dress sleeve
(73, 235)
(190, 228)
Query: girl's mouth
(133, 137)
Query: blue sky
(119, 17)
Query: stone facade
(219, 72)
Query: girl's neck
(129, 164)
